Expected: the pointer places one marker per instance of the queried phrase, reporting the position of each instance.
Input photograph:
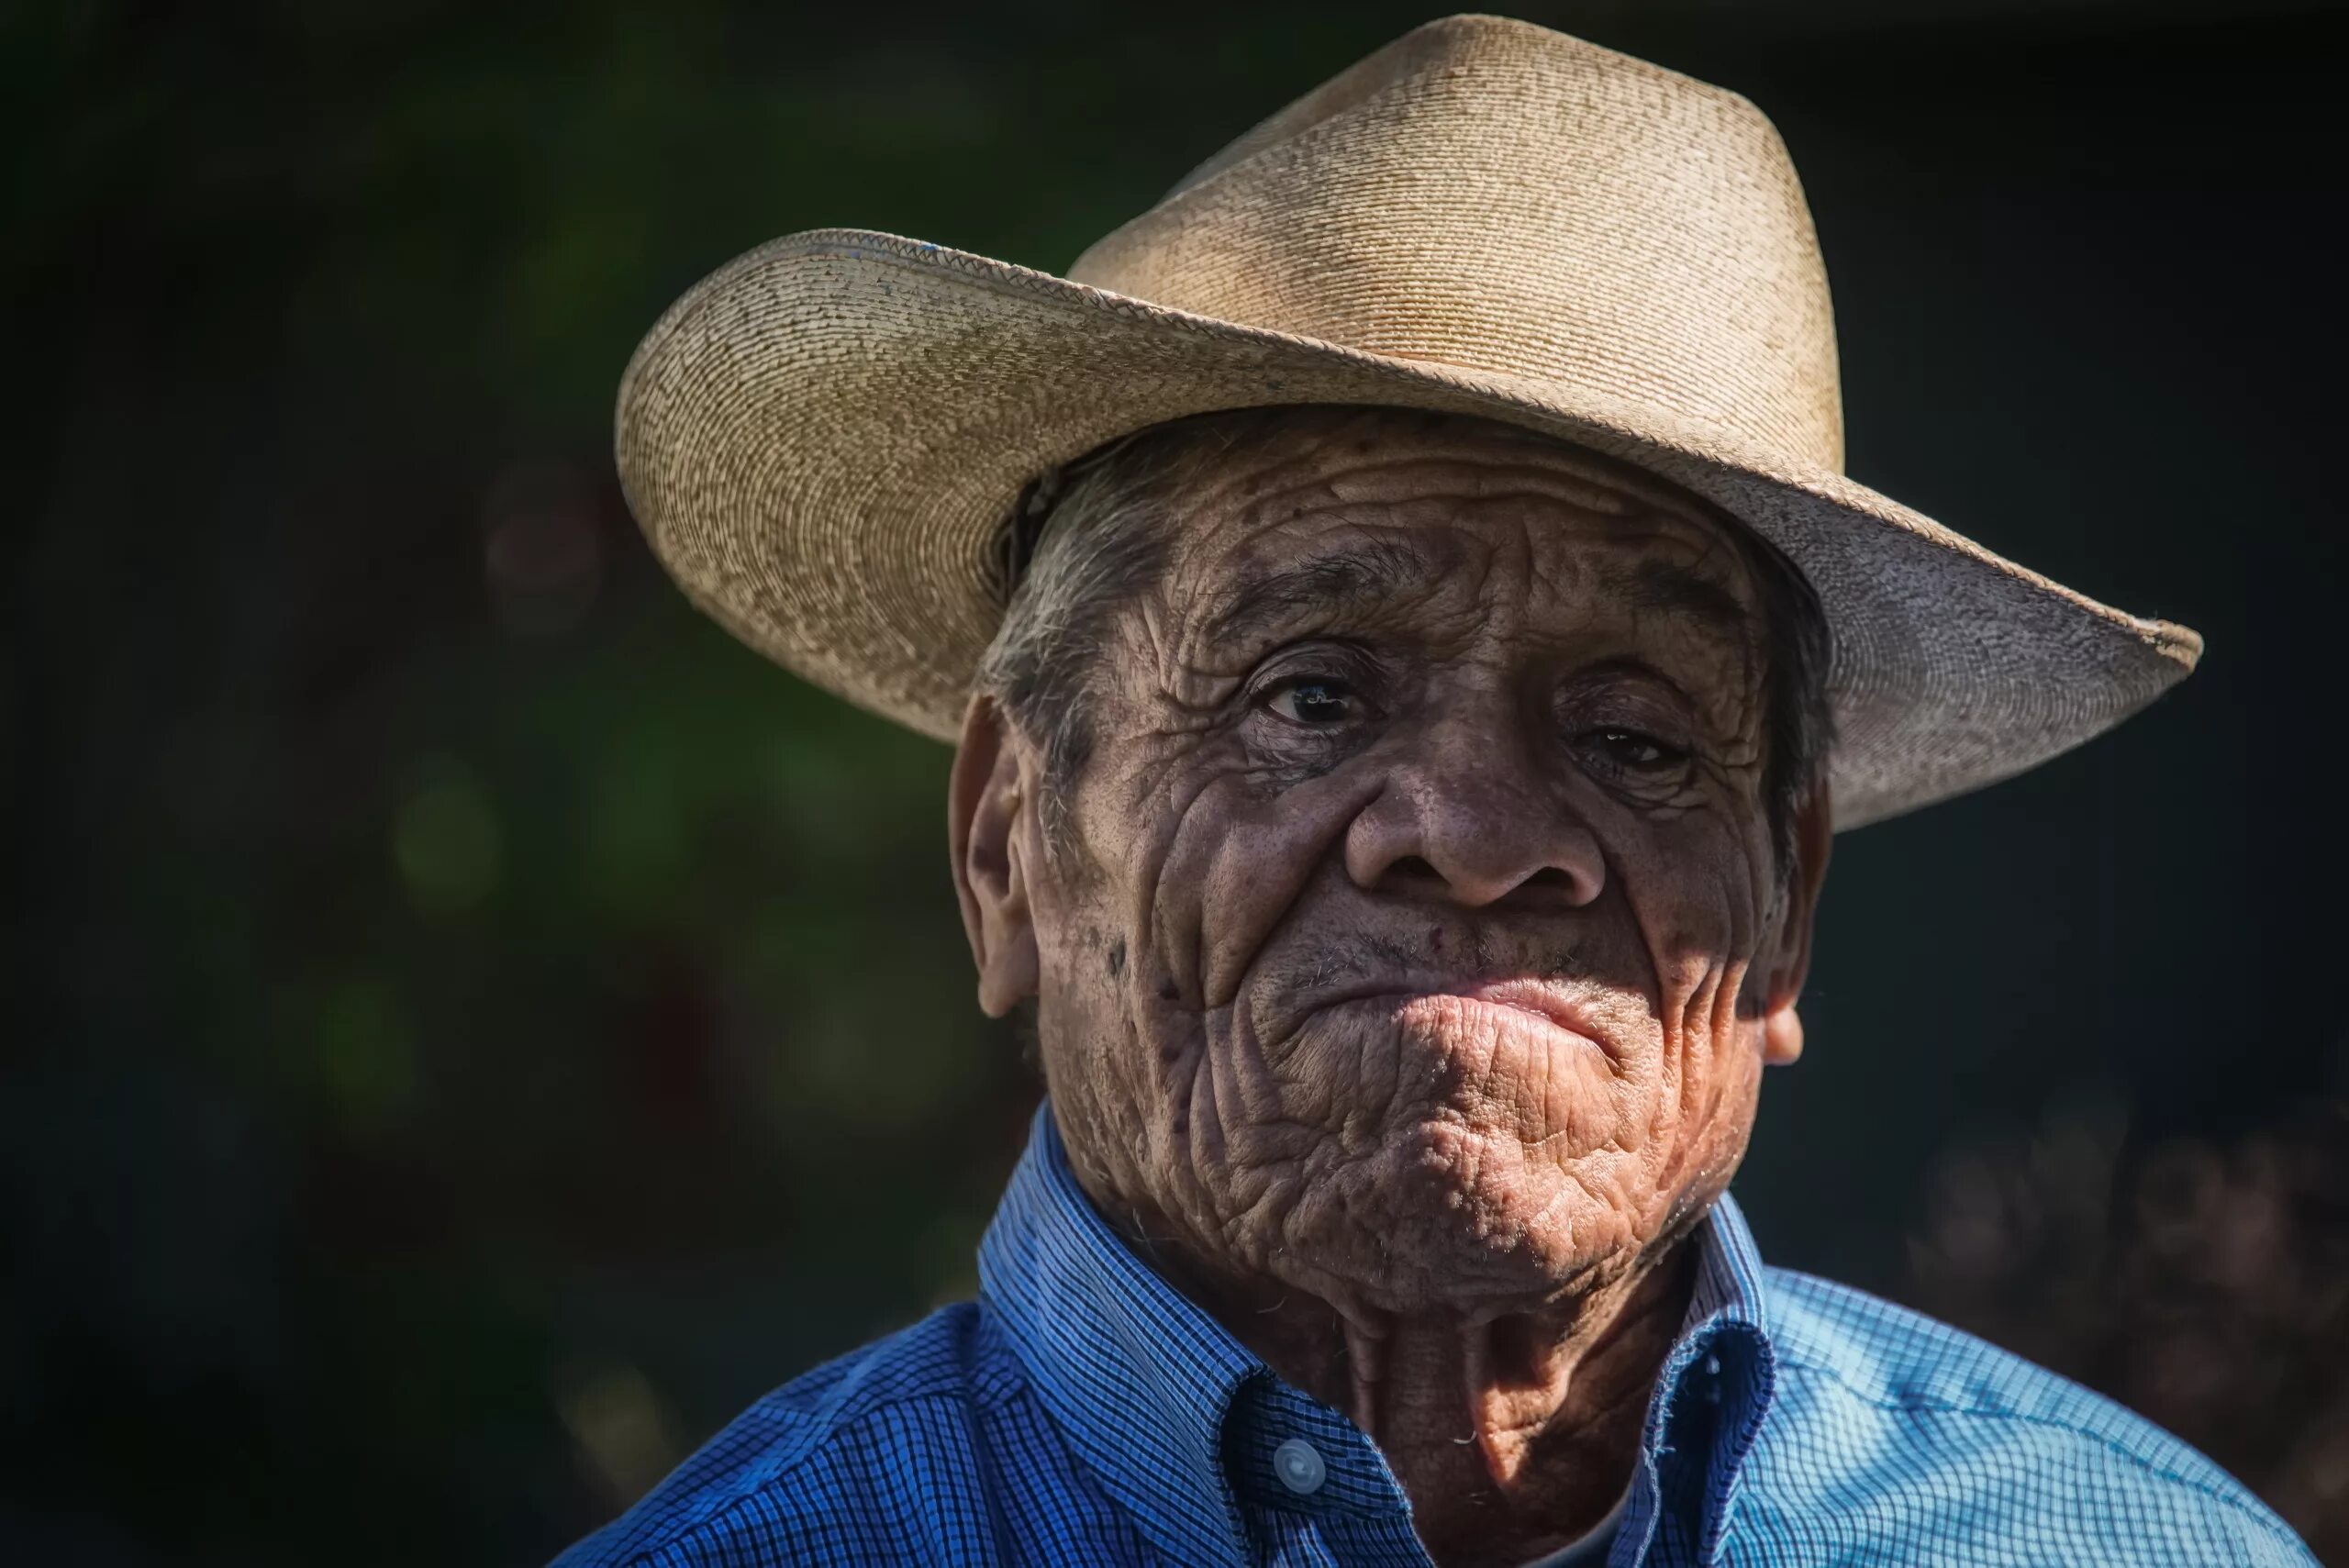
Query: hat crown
(1493, 195)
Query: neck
(1513, 1434)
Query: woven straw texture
(824, 439)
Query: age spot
(1118, 958)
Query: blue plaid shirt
(1083, 1412)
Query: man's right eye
(1315, 702)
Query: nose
(1473, 818)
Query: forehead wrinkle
(1365, 568)
(1675, 562)
(1460, 477)
(1355, 579)
(1243, 509)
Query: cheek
(1182, 869)
(1234, 863)
(1698, 889)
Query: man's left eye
(1634, 750)
(1315, 703)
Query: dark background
(474, 1028)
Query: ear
(1790, 961)
(985, 810)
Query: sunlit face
(1419, 938)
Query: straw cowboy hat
(826, 439)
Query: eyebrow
(1674, 590)
(1352, 584)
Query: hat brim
(824, 439)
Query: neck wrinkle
(1521, 1430)
(1492, 1474)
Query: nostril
(1552, 887)
(1413, 868)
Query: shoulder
(808, 1473)
(1889, 1429)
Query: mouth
(1517, 1002)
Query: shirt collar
(1171, 1414)
(1716, 1388)
(1136, 1377)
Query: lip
(1534, 997)
(1527, 998)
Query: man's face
(1417, 940)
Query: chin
(1448, 1216)
(1469, 1157)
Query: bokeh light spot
(364, 1055)
(624, 1432)
(445, 840)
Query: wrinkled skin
(1406, 973)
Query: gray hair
(1091, 537)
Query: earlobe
(986, 808)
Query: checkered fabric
(1082, 1412)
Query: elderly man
(1409, 646)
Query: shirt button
(1298, 1465)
